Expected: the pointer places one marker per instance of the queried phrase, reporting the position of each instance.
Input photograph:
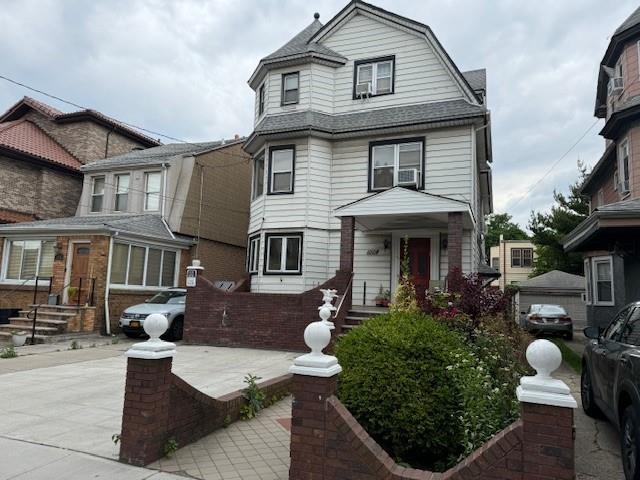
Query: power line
(526, 194)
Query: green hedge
(421, 389)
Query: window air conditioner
(408, 176)
(616, 85)
(363, 90)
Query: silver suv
(169, 303)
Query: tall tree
(501, 224)
(550, 227)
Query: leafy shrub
(8, 352)
(254, 396)
(421, 390)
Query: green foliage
(501, 224)
(115, 438)
(405, 300)
(254, 397)
(570, 357)
(8, 352)
(422, 390)
(75, 345)
(170, 447)
(115, 340)
(227, 421)
(549, 228)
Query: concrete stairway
(358, 314)
(51, 321)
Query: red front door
(419, 252)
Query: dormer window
(373, 77)
(97, 194)
(290, 88)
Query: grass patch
(570, 357)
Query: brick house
(609, 237)
(141, 218)
(42, 150)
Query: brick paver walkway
(256, 449)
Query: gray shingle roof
(485, 270)
(555, 279)
(626, 206)
(150, 156)
(371, 119)
(300, 44)
(631, 21)
(477, 79)
(145, 225)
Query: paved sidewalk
(21, 460)
(257, 449)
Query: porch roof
(403, 208)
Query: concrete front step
(48, 313)
(368, 312)
(58, 308)
(9, 327)
(27, 322)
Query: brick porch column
(454, 240)
(347, 230)
(547, 418)
(145, 417)
(315, 378)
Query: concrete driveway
(76, 404)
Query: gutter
(107, 287)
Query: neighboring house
(142, 217)
(366, 134)
(42, 150)
(609, 237)
(555, 288)
(514, 260)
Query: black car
(610, 382)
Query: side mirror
(523, 313)
(146, 301)
(592, 333)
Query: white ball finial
(317, 336)
(545, 357)
(154, 348)
(155, 325)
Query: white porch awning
(403, 208)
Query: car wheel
(586, 394)
(175, 332)
(133, 334)
(630, 443)
(569, 336)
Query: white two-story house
(366, 134)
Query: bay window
(396, 163)
(152, 190)
(97, 194)
(253, 254)
(373, 77)
(283, 253)
(257, 185)
(122, 192)
(281, 169)
(26, 259)
(143, 266)
(261, 100)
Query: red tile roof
(26, 137)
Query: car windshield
(167, 297)
(551, 310)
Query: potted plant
(19, 338)
(386, 298)
(380, 297)
(71, 293)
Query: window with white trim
(623, 166)
(588, 280)
(97, 194)
(26, 259)
(290, 88)
(122, 192)
(261, 99)
(395, 163)
(603, 281)
(253, 254)
(152, 190)
(257, 187)
(377, 74)
(281, 165)
(283, 254)
(143, 266)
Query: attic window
(373, 77)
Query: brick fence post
(454, 240)
(315, 378)
(145, 418)
(547, 418)
(347, 232)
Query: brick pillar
(308, 426)
(145, 418)
(454, 240)
(347, 228)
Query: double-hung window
(281, 169)
(290, 88)
(257, 186)
(396, 163)
(261, 100)
(97, 194)
(602, 271)
(152, 190)
(522, 257)
(122, 192)
(143, 266)
(283, 253)
(623, 166)
(253, 254)
(373, 77)
(516, 257)
(26, 259)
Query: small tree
(405, 300)
(501, 224)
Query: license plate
(134, 324)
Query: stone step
(56, 308)
(9, 327)
(45, 322)
(48, 313)
(367, 312)
(351, 320)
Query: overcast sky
(180, 68)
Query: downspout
(106, 290)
